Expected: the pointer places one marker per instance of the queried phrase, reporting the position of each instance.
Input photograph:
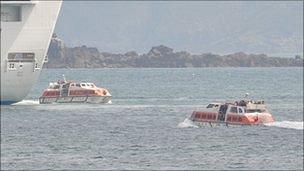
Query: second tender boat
(244, 112)
(73, 92)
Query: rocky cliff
(60, 56)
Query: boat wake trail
(187, 123)
(287, 124)
(27, 103)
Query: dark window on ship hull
(21, 57)
(11, 13)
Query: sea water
(146, 126)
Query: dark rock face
(60, 56)
(56, 53)
(160, 51)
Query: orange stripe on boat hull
(250, 119)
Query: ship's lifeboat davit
(238, 113)
(74, 92)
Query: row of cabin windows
(241, 110)
(51, 93)
(82, 85)
(56, 93)
(236, 110)
(75, 85)
(205, 116)
(85, 92)
(213, 117)
(234, 119)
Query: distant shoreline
(60, 56)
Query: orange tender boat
(73, 92)
(238, 113)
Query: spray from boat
(287, 124)
(297, 125)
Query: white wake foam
(27, 102)
(187, 123)
(287, 124)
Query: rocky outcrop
(56, 53)
(60, 56)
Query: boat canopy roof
(59, 83)
(249, 106)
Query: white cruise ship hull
(26, 31)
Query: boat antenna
(64, 78)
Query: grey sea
(146, 126)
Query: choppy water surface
(146, 126)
